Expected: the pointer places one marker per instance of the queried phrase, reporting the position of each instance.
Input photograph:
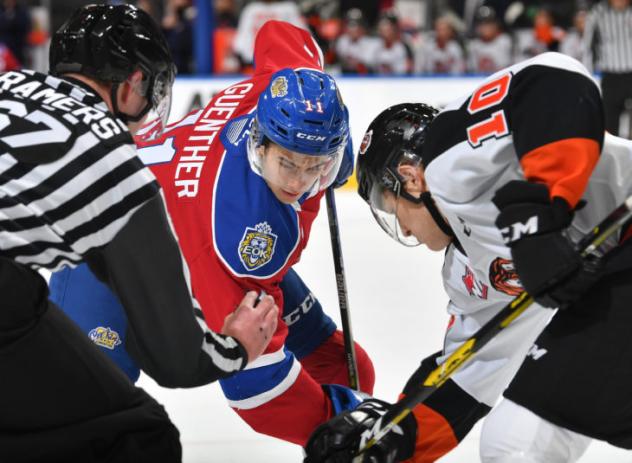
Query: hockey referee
(72, 189)
(608, 48)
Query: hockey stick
(587, 246)
(341, 285)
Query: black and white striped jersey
(607, 39)
(73, 189)
(69, 174)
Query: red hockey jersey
(236, 236)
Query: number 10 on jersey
(487, 96)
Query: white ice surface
(397, 305)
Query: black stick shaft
(341, 285)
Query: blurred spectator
(226, 14)
(177, 25)
(413, 18)
(521, 13)
(392, 55)
(468, 11)
(545, 32)
(253, 16)
(226, 20)
(8, 62)
(563, 11)
(370, 9)
(15, 25)
(543, 35)
(572, 43)
(464, 9)
(609, 33)
(490, 50)
(323, 20)
(441, 53)
(355, 49)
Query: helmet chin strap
(427, 200)
(126, 118)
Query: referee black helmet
(108, 43)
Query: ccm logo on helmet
(310, 137)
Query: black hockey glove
(547, 263)
(339, 439)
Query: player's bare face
(290, 174)
(415, 220)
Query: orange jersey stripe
(564, 166)
(435, 437)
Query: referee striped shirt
(608, 39)
(70, 181)
(70, 178)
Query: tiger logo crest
(279, 87)
(257, 246)
(504, 277)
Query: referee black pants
(616, 88)
(61, 399)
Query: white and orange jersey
(507, 129)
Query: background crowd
(366, 37)
(357, 36)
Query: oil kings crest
(257, 246)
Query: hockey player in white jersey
(505, 180)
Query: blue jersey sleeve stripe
(267, 395)
(255, 381)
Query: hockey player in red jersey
(73, 190)
(243, 179)
(506, 180)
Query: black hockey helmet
(395, 137)
(110, 42)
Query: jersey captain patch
(257, 246)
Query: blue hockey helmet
(302, 112)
